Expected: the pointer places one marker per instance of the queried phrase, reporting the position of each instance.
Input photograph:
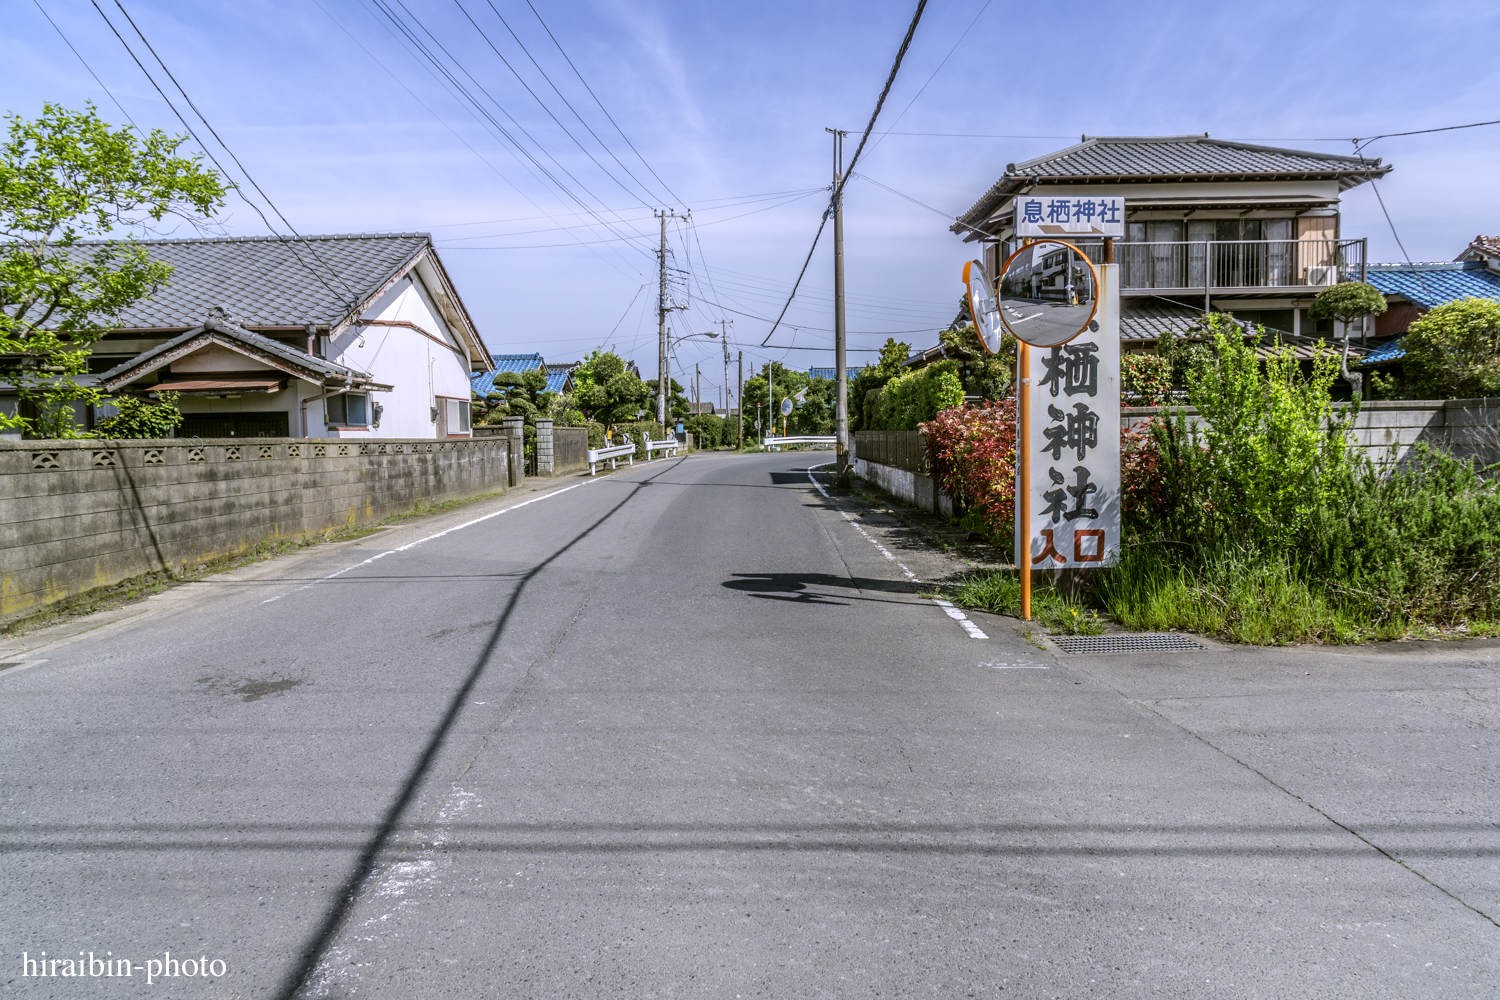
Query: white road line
(974, 630)
(440, 534)
(17, 667)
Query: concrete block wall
(896, 461)
(75, 515)
(1387, 430)
(570, 449)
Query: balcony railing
(1238, 264)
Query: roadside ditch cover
(1143, 642)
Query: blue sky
(348, 131)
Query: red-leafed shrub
(1143, 487)
(973, 455)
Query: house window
(347, 409)
(458, 416)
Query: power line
(839, 190)
(939, 69)
(204, 146)
(542, 104)
(601, 103)
(649, 193)
(1360, 144)
(311, 249)
(86, 66)
(467, 145)
(483, 116)
(384, 7)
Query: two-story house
(1209, 225)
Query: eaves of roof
(1167, 159)
(295, 362)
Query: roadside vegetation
(1261, 522)
(76, 197)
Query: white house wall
(418, 369)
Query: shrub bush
(908, 400)
(973, 455)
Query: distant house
(830, 373)
(559, 377)
(1483, 248)
(1209, 225)
(327, 336)
(1412, 289)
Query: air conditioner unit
(1327, 274)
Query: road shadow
(797, 587)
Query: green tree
(1270, 448)
(871, 379)
(1346, 302)
(1453, 352)
(65, 178)
(785, 382)
(608, 391)
(983, 374)
(142, 418)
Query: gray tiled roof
(260, 280)
(1169, 158)
(1153, 319)
(301, 359)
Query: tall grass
(999, 592)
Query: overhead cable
(467, 145)
(602, 145)
(601, 103)
(86, 66)
(939, 69)
(209, 152)
(879, 103)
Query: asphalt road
(690, 730)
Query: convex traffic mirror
(1048, 293)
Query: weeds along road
(690, 730)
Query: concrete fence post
(545, 465)
(515, 431)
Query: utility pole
(661, 324)
(740, 395)
(697, 388)
(663, 376)
(770, 399)
(840, 362)
(724, 325)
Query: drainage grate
(1138, 643)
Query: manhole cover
(1140, 643)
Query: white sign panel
(1073, 394)
(1058, 215)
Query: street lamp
(671, 343)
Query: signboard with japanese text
(1069, 215)
(1073, 399)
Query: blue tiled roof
(1385, 352)
(829, 373)
(516, 362)
(484, 382)
(1431, 285)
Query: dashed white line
(975, 632)
(440, 534)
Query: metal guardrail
(669, 445)
(800, 439)
(611, 454)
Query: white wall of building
(420, 370)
